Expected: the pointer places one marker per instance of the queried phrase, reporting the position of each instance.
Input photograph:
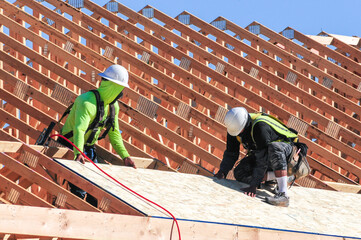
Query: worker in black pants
(90, 152)
(269, 145)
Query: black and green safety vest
(289, 134)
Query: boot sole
(281, 204)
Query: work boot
(279, 199)
(269, 186)
(271, 183)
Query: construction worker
(82, 128)
(267, 143)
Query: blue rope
(265, 228)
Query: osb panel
(196, 197)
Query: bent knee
(277, 155)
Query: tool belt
(297, 164)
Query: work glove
(219, 175)
(250, 191)
(129, 162)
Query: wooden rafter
(107, 226)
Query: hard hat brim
(114, 81)
(234, 133)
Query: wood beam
(116, 205)
(52, 188)
(24, 197)
(45, 222)
(351, 65)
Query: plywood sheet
(201, 198)
(321, 39)
(344, 187)
(354, 41)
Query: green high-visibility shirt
(83, 113)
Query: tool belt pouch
(297, 165)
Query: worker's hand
(80, 158)
(129, 162)
(249, 191)
(219, 175)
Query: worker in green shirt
(90, 114)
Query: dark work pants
(244, 170)
(278, 153)
(90, 152)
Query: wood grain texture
(46, 223)
(201, 198)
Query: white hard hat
(117, 74)
(235, 120)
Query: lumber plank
(345, 187)
(44, 222)
(116, 205)
(351, 65)
(19, 124)
(25, 197)
(302, 65)
(8, 146)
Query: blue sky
(308, 16)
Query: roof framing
(185, 74)
(223, 89)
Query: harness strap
(67, 111)
(94, 126)
(96, 123)
(109, 122)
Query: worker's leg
(77, 191)
(73, 189)
(243, 171)
(278, 153)
(91, 153)
(270, 175)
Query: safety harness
(289, 134)
(97, 122)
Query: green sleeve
(116, 138)
(83, 113)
